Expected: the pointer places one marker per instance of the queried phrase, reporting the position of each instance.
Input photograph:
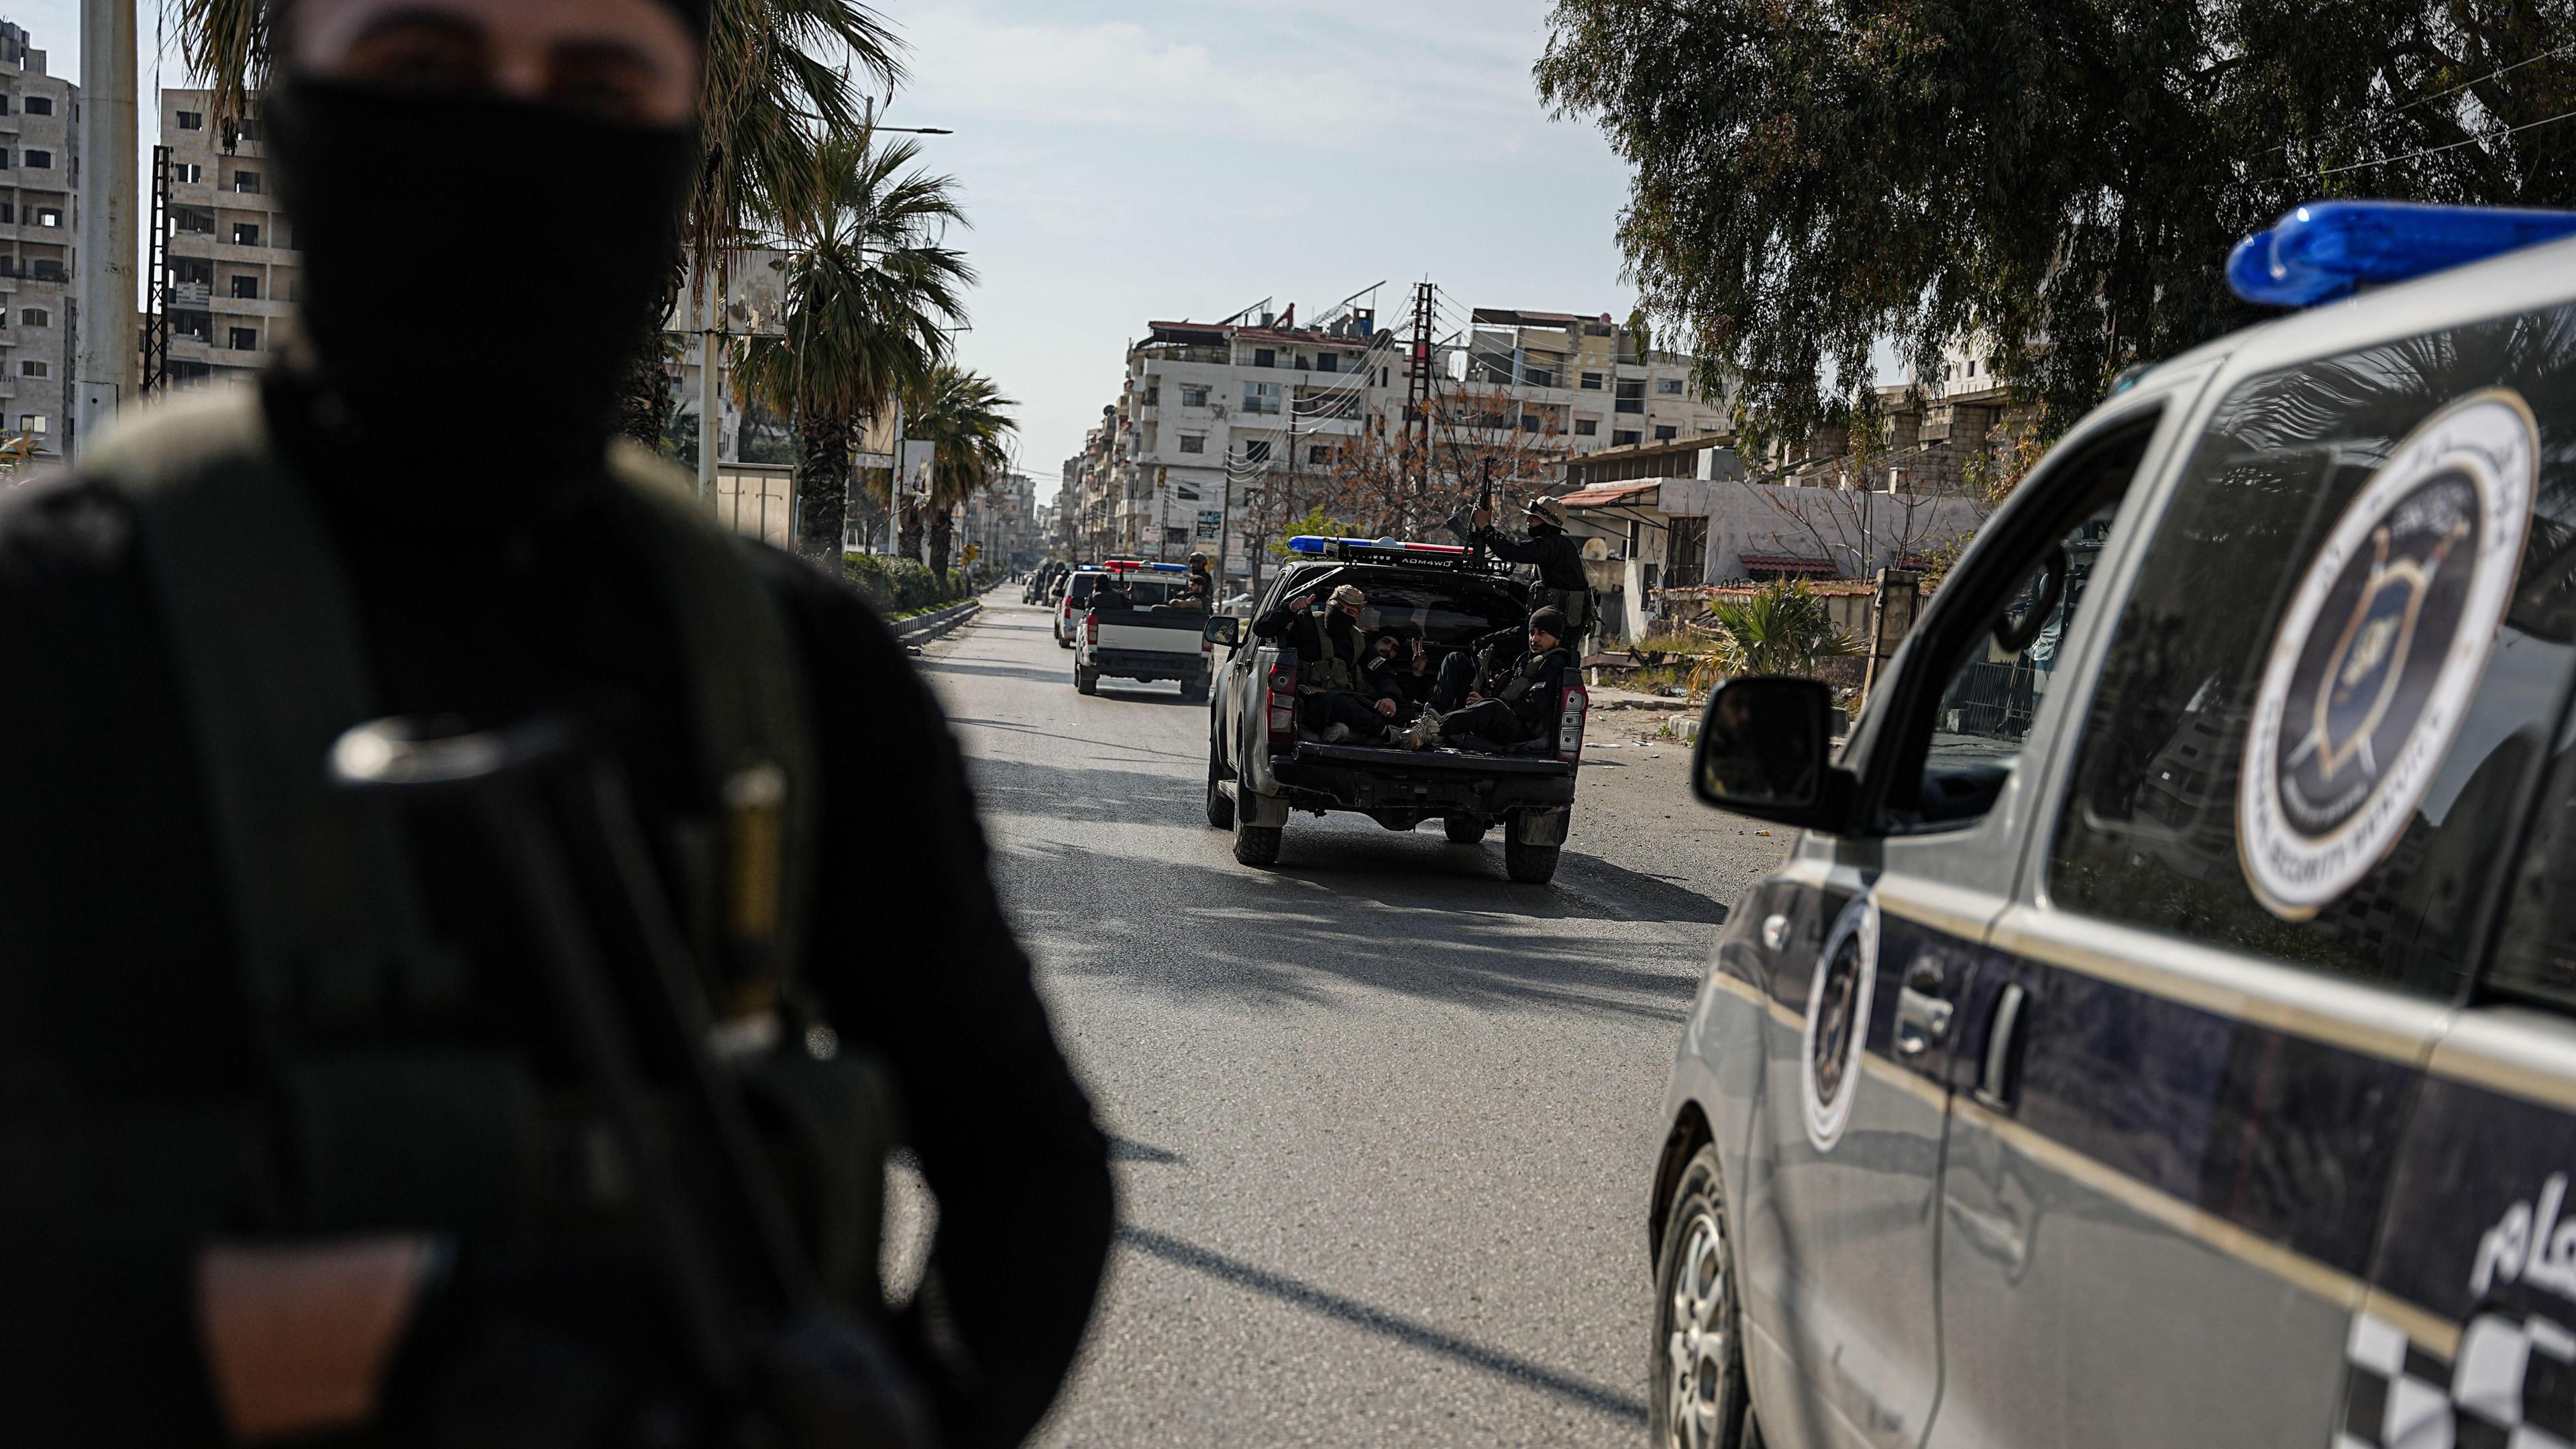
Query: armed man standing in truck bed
(300, 1143)
(1561, 582)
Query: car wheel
(1255, 845)
(1528, 864)
(1464, 829)
(1220, 806)
(1195, 690)
(1696, 1374)
(1086, 680)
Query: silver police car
(2165, 1031)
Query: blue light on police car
(1309, 543)
(2327, 249)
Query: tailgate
(1442, 761)
(1139, 629)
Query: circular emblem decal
(1838, 998)
(2380, 651)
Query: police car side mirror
(1766, 750)
(1222, 629)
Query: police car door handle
(1922, 1017)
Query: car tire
(1696, 1397)
(1528, 864)
(1220, 805)
(1086, 681)
(1195, 690)
(1255, 845)
(1464, 829)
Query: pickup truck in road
(1262, 766)
(1150, 641)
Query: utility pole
(1417, 387)
(710, 420)
(106, 362)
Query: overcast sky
(1153, 159)
(1128, 160)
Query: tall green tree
(781, 77)
(966, 418)
(2060, 180)
(870, 298)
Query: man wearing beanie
(304, 1141)
(1524, 706)
(1332, 656)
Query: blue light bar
(1315, 544)
(1169, 568)
(2327, 249)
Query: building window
(187, 171)
(192, 221)
(1591, 382)
(192, 271)
(1587, 427)
(49, 216)
(1264, 357)
(4, 155)
(1328, 362)
(1666, 434)
(245, 339)
(40, 160)
(1318, 454)
(1256, 452)
(31, 368)
(1153, 394)
(1623, 438)
(1631, 398)
(40, 105)
(245, 233)
(35, 317)
(246, 182)
(1668, 387)
(8, 213)
(1533, 423)
(192, 120)
(1261, 397)
(1193, 442)
(1685, 552)
(1194, 394)
(248, 130)
(33, 423)
(246, 288)
(46, 269)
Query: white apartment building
(39, 242)
(234, 273)
(1210, 412)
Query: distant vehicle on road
(1070, 592)
(1148, 642)
(2165, 1030)
(1262, 765)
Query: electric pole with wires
(1418, 394)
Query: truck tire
(1464, 829)
(1528, 864)
(1220, 806)
(1062, 642)
(1255, 845)
(1195, 689)
(1086, 681)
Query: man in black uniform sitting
(1523, 707)
(1330, 655)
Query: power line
(2448, 146)
(2448, 91)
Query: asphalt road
(1383, 1119)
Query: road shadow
(953, 664)
(1411, 1332)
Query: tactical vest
(1331, 670)
(368, 1128)
(1526, 676)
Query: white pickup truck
(1156, 639)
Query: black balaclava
(477, 273)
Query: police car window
(2321, 715)
(2003, 668)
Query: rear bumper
(1143, 663)
(1430, 782)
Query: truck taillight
(1569, 724)
(1091, 629)
(1283, 700)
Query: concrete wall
(1859, 531)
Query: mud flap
(1542, 827)
(1262, 812)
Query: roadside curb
(922, 628)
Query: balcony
(192, 296)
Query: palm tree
(964, 416)
(869, 302)
(779, 79)
(1783, 629)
